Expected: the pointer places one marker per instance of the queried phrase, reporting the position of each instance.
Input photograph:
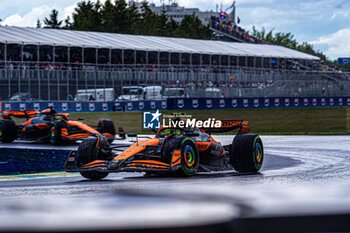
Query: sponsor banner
(60, 106)
(71, 106)
(344, 60)
(142, 105)
(180, 104)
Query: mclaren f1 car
(48, 126)
(173, 151)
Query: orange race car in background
(49, 126)
(173, 151)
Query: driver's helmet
(169, 131)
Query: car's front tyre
(88, 151)
(189, 154)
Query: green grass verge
(299, 121)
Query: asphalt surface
(301, 175)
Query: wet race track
(301, 175)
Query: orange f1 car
(50, 126)
(173, 151)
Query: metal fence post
(58, 83)
(48, 85)
(19, 79)
(67, 75)
(9, 83)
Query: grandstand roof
(55, 37)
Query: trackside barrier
(145, 105)
(60, 106)
(181, 104)
(74, 107)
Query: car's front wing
(126, 166)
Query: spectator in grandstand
(234, 30)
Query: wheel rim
(258, 152)
(189, 156)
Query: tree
(87, 17)
(287, 40)
(148, 23)
(173, 28)
(53, 22)
(121, 17)
(192, 27)
(67, 23)
(38, 24)
(134, 18)
(108, 17)
(116, 16)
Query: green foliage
(288, 40)
(87, 16)
(189, 28)
(38, 24)
(117, 17)
(52, 21)
(67, 22)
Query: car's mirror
(132, 135)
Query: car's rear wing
(19, 114)
(229, 125)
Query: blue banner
(73, 107)
(344, 60)
(142, 105)
(60, 106)
(180, 104)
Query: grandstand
(52, 45)
(53, 64)
(227, 31)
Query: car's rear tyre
(247, 153)
(189, 154)
(8, 131)
(56, 133)
(106, 126)
(88, 151)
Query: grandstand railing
(46, 81)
